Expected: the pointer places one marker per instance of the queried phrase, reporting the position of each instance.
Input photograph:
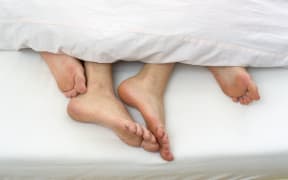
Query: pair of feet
(94, 101)
(94, 104)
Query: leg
(236, 83)
(68, 72)
(145, 91)
(99, 105)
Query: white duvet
(198, 32)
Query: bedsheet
(211, 137)
(206, 32)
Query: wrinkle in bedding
(237, 32)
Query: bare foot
(236, 83)
(105, 109)
(136, 93)
(68, 73)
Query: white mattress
(211, 137)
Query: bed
(211, 137)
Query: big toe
(166, 153)
(163, 140)
(253, 91)
(149, 141)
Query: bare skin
(68, 73)
(99, 105)
(145, 92)
(236, 83)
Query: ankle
(100, 88)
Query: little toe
(139, 130)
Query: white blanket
(207, 32)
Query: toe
(147, 146)
(165, 151)
(241, 100)
(164, 139)
(132, 128)
(149, 141)
(244, 100)
(166, 155)
(129, 136)
(139, 130)
(253, 91)
(152, 138)
(235, 99)
(248, 99)
(159, 133)
(146, 134)
(80, 83)
(71, 93)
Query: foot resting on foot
(105, 109)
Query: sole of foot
(136, 94)
(236, 83)
(68, 73)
